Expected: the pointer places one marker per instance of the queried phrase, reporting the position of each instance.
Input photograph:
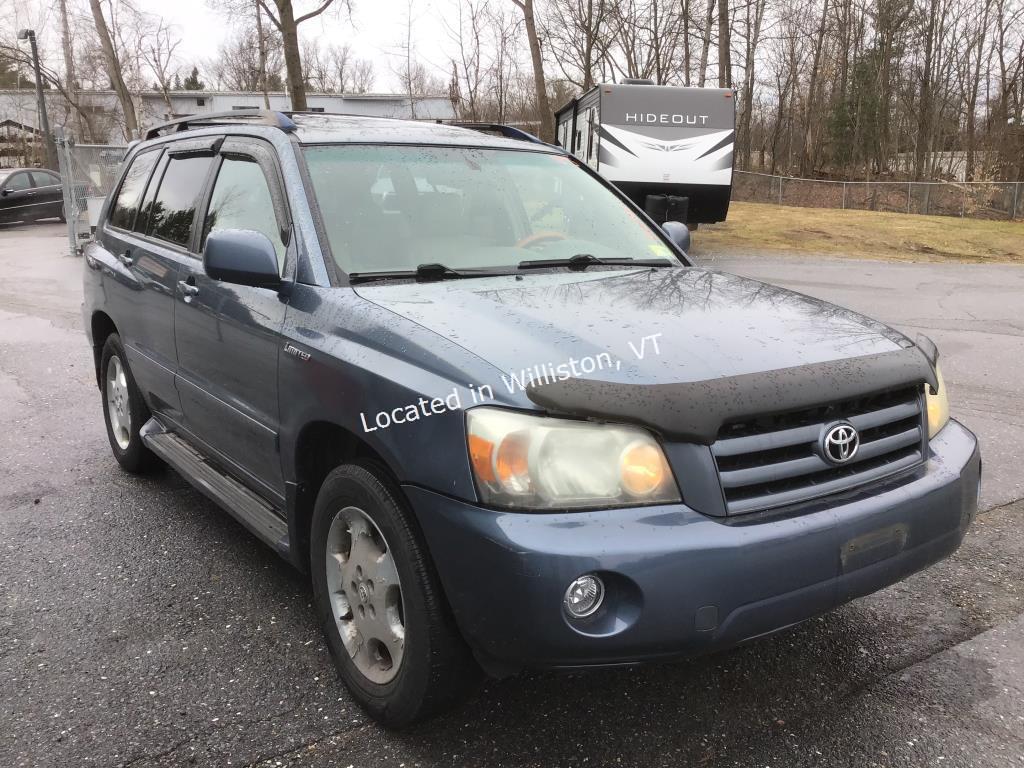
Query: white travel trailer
(669, 148)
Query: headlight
(937, 404)
(536, 462)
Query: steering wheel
(537, 238)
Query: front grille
(772, 461)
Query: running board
(244, 505)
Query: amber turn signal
(642, 469)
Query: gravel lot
(142, 626)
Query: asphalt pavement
(142, 626)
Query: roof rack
(244, 115)
(502, 130)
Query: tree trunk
(547, 120)
(724, 46)
(812, 91)
(69, 68)
(744, 143)
(685, 8)
(706, 47)
(292, 59)
(261, 41)
(113, 67)
(924, 116)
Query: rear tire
(420, 664)
(124, 410)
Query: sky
(376, 31)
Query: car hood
(649, 326)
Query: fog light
(584, 596)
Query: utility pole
(44, 120)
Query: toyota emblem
(840, 443)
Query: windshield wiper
(427, 273)
(581, 261)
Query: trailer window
(396, 207)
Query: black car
(29, 194)
(493, 410)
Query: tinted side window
(44, 179)
(174, 207)
(18, 182)
(241, 200)
(126, 204)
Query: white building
(104, 124)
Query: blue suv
(493, 410)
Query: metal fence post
(66, 182)
(780, 190)
(908, 196)
(844, 195)
(963, 203)
(1016, 197)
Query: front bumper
(680, 583)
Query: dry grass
(754, 227)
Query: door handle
(188, 289)
(126, 258)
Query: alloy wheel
(366, 595)
(118, 407)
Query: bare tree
(238, 65)
(468, 66)
(157, 51)
(547, 121)
(349, 74)
(809, 105)
(317, 69)
(754, 12)
(360, 77)
(282, 14)
(506, 87)
(112, 65)
(647, 34)
(724, 46)
(578, 36)
(70, 82)
(705, 48)
(262, 54)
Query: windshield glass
(391, 208)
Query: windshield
(393, 208)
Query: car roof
(328, 128)
(9, 171)
(357, 129)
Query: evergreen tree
(192, 82)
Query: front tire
(387, 624)
(124, 410)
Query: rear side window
(241, 200)
(174, 208)
(44, 179)
(126, 204)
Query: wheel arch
(100, 327)
(319, 448)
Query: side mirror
(679, 234)
(6, 192)
(241, 256)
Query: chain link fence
(976, 199)
(88, 172)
